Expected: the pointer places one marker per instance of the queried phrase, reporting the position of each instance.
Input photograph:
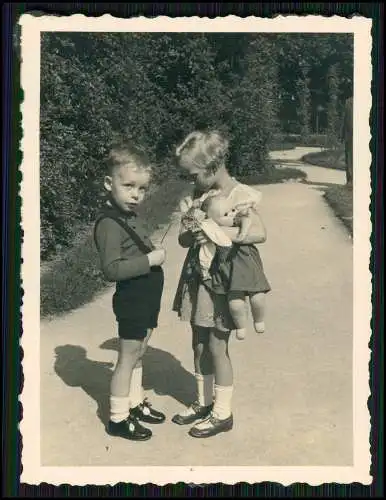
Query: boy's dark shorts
(136, 305)
(128, 331)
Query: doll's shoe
(129, 429)
(259, 327)
(211, 426)
(146, 413)
(193, 413)
(241, 333)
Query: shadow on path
(76, 370)
(162, 372)
(320, 185)
(288, 161)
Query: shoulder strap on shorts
(110, 213)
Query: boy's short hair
(212, 148)
(124, 154)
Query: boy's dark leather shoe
(129, 429)
(146, 413)
(211, 426)
(198, 412)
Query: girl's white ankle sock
(119, 408)
(204, 385)
(136, 395)
(223, 401)
(204, 389)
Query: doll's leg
(238, 310)
(257, 301)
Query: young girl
(128, 258)
(216, 209)
(203, 156)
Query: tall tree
(319, 51)
(333, 115)
(304, 99)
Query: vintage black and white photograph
(197, 300)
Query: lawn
(329, 158)
(340, 199)
(274, 176)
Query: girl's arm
(114, 267)
(255, 234)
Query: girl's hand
(186, 203)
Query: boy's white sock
(204, 389)
(223, 401)
(136, 395)
(119, 408)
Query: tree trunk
(348, 139)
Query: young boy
(128, 258)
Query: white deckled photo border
(33, 473)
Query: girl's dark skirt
(137, 303)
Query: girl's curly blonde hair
(209, 149)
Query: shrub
(297, 140)
(153, 88)
(254, 115)
(330, 158)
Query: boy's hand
(156, 257)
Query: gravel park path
(293, 385)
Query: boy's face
(127, 186)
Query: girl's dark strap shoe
(211, 426)
(198, 412)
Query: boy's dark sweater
(120, 256)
